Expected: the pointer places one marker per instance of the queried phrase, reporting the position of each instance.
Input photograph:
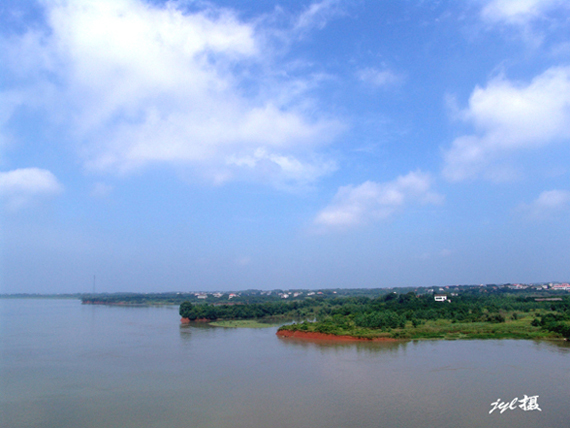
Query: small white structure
(440, 297)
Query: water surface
(63, 364)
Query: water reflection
(197, 324)
(331, 345)
(195, 330)
(561, 346)
(185, 332)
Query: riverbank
(322, 336)
(434, 329)
(188, 321)
(231, 323)
(243, 324)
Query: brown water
(67, 365)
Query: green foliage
(185, 310)
(382, 320)
(467, 316)
(554, 322)
(494, 318)
(294, 309)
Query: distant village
(440, 293)
(282, 294)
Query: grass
(242, 324)
(441, 329)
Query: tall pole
(93, 284)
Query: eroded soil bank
(322, 336)
(187, 320)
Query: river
(67, 365)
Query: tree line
(394, 310)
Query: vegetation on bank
(243, 324)
(135, 299)
(433, 329)
(408, 316)
(302, 309)
(245, 297)
(491, 311)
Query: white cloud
(379, 78)
(316, 15)
(21, 187)
(139, 84)
(281, 169)
(369, 201)
(549, 203)
(531, 20)
(510, 117)
(517, 12)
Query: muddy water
(67, 365)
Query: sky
(227, 145)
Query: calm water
(67, 365)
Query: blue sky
(192, 145)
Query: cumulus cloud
(517, 12)
(509, 117)
(530, 19)
(281, 169)
(378, 78)
(549, 203)
(21, 187)
(356, 205)
(138, 84)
